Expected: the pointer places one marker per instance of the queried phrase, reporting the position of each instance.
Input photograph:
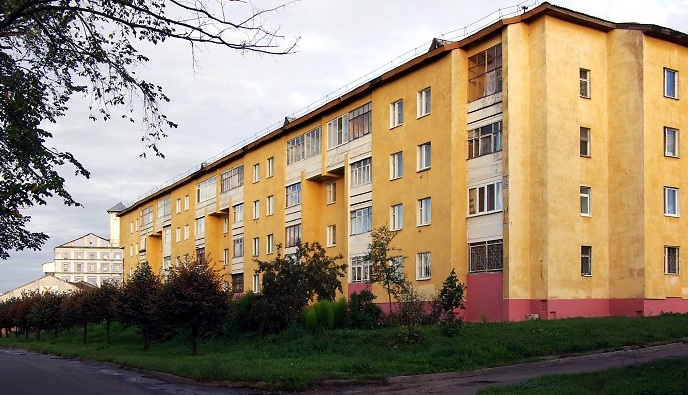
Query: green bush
(340, 319)
(363, 313)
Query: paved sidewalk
(471, 381)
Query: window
(485, 199)
(671, 142)
(186, 203)
(360, 269)
(269, 245)
(78, 267)
(200, 227)
(585, 142)
(238, 247)
(256, 246)
(396, 219)
(671, 202)
(397, 264)
(424, 157)
(256, 283)
(136, 225)
(256, 172)
(671, 83)
(270, 167)
(225, 224)
(485, 140)
(178, 234)
(585, 201)
(485, 256)
(270, 205)
(338, 131)
(586, 261)
(424, 102)
(424, 211)
(361, 172)
(178, 207)
(225, 256)
(396, 114)
(585, 83)
(361, 220)
(423, 266)
(65, 267)
(396, 165)
(331, 235)
(671, 260)
(256, 209)
(360, 121)
(303, 147)
(331, 192)
(147, 216)
(293, 235)
(131, 227)
(294, 194)
(186, 232)
(238, 283)
(164, 208)
(485, 73)
(232, 178)
(238, 210)
(206, 190)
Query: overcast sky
(231, 96)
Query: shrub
(363, 313)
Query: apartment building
(538, 157)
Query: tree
(80, 308)
(289, 282)
(193, 298)
(53, 49)
(384, 262)
(106, 298)
(45, 314)
(451, 296)
(138, 301)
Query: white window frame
(186, 232)
(668, 267)
(424, 211)
(396, 165)
(256, 173)
(232, 178)
(396, 113)
(424, 156)
(361, 268)
(200, 227)
(186, 203)
(338, 131)
(484, 140)
(269, 243)
(585, 201)
(671, 138)
(304, 146)
(206, 189)
(424, 102)
(585, 146)
(178, 206)
(331, 235)
(178, 235)
(238, 247)
(586, 260)
(238, 213)
(256, 246)
(362, 172)
(485, 199)
(256, 283)
(361, 220)
(293, 194)
(332, 193)
(292, 235)
(672, 196)
(584, 76)
(423, 265)
(670, 84)
(270, 205)
(270, 167)
(225, 256)
(256, 209)
(225, 224)
(396, 217)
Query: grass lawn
(296, 359)
(662, 377)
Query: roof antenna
(524, 8)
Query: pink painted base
(484, 300)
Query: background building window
(361, 220)
(256, 283)
(671, 83)
(238, 283)
(585, 142)
(293, 235)
(232, 178)
(256, 209)
(301, 147)
(485, 140)
(396, 113)
(424, 102)
(238, 210)
(424, 211)
(671, 142)
(671, 201)
(206, 190)
(270, 171)
(361, 172)
(485, 73)
(256, 246)
(585, 201)
(331, 235)
(269, 244)
(396, 165)
(485, 199)
(338, 131)
(585, 83)
(360, 269)
(256, 172)
(586, 260)
(270, 205)
(294, 194)
(423, 266)
(200, 227)
(424, 156)
(396, 217)
(238, 247)
(671, 260)
(360, 121)
(486, 256)
(331, 192)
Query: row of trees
(191, 299)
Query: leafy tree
(193, 298)
(363, 312)
(138, 302)
(53, 49)
(21, 316)
(45, 313)
(384, 264)
(291, 281)
(6, 314)
(81, 308)
(105, 300)
(451, 296)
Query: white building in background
(90, 258)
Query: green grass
(297, 359)
(662, 377)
